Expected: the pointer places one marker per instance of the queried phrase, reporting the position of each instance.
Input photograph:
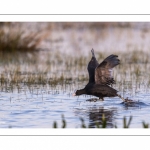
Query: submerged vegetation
(58, 68)
(126, 123)
(61, 64)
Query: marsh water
(36, 88)
(39, 107)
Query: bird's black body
(100, 78)
(98, 90)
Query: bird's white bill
(74, 94)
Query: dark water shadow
(96, 115)
(134, 104)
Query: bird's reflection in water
(96, 115)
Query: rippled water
(39, 108)
(63, 65)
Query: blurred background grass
(58, 52)
(55, 55)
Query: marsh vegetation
(36, 86)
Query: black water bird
(100, 78)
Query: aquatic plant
(63, 67)
(103, 123)
(33, 69)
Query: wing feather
(103, 72)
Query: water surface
(39, 108)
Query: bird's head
(79, 92)
(76, 93)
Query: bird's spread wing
(103, 72)
(91, 67)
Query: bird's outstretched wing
(103, 72)
(91, 67)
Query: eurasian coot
(100, 78)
